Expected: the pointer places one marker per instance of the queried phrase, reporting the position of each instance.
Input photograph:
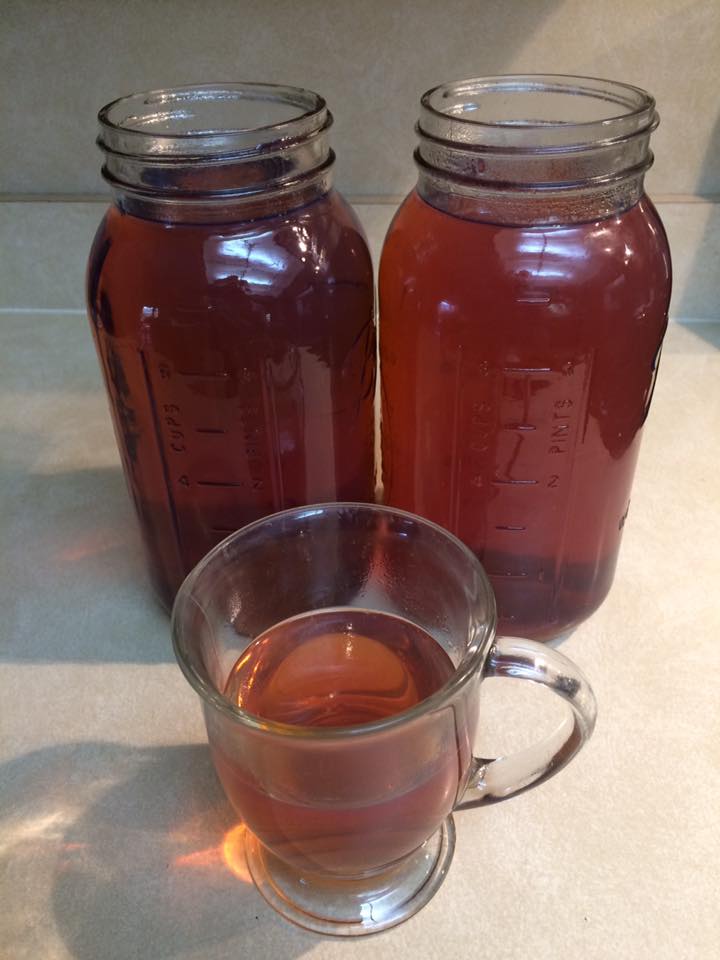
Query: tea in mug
(341, 810)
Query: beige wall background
(371, 59)
(60, 61)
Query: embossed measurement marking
(221, 483)
(527, 369)
(510, 482)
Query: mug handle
(495, 779)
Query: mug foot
(357, 907)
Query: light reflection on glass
(310, 512)
(262, 258)
(230, 853)
(233, 852)
(552, 255)
(255, 260)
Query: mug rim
(472, 662)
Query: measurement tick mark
(518, 426)
(219, 375)
(522, 483)
(504, 526)
(527, 369)
(220, 483)
(209, 430)
(506, 575)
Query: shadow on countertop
(144, 854)
(709, 333)
(74, 586)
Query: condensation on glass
(230, 291)
(524, 290)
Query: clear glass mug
(349, 830)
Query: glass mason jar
(524, 290)
(230, 291)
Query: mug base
(357, 907)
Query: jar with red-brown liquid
(230, 291)
(524, 291)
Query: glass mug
(349, 829)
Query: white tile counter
(115, 840)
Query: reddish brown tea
(239, 359)
(338, 669)
(347, 805)
(517, 366)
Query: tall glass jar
(524, 290)
(230, 291)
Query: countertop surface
(115, 838)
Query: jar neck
(223, 208)
(534, 149)
(216, 152)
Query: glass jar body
(518, 363)
(239, 360)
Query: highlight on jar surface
(524, 290)
(230, 291)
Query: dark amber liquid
(338, 669)
(240, 360)
(343, 805)
(517, 369)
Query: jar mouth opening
(535, 111)
(210, 120)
